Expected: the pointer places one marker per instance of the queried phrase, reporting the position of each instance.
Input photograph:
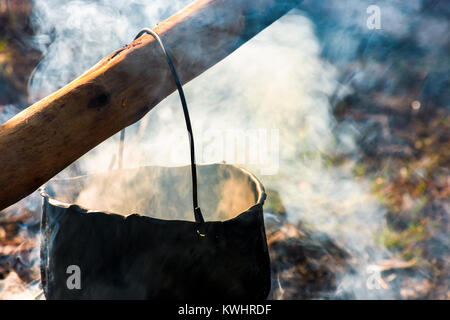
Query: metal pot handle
(197, 212)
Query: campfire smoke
(281, 81)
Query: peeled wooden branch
(46, 137)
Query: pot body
(138, 256)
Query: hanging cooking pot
(110, 252)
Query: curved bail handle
(197, 212)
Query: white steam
(276, 81)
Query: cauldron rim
(61, 204)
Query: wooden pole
(48, 136)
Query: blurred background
(353, 104)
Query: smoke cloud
(280, 83)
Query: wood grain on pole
(48, 136)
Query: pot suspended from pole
(129, 235)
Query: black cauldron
(159, 253)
